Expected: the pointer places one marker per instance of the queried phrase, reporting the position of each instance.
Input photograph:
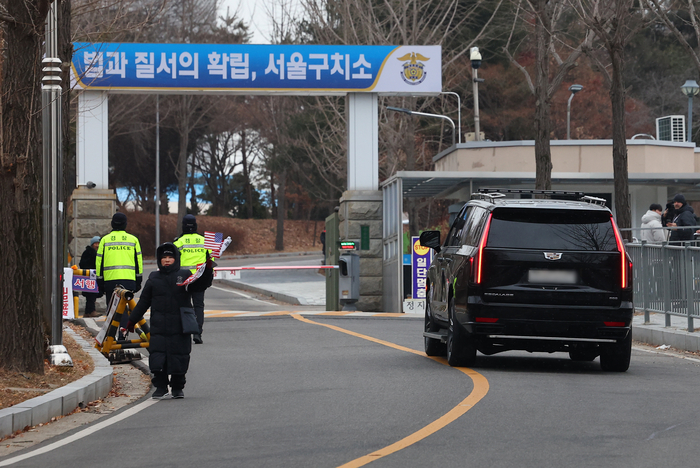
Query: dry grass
(248, 236)
(53, 377)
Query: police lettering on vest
(119, 257)
(192, 251)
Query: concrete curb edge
(63, 400)
(276, 295)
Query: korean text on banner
(421, 258)
(68, 311)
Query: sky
(254, 13)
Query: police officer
(119, 261)
(193, 253)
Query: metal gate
(392, 248)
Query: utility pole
(52, 206)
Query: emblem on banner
(413, 69)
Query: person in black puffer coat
(169, 347)
(684, 216)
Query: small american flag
(212, 241)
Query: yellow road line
(481, 388)
(230, 314)
(335, 313)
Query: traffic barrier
(107, 341)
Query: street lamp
(574, 88)
(410, 112)
(690, 88)
(475, 58)
(459, 114)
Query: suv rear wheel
(616, 357)
(433, 347)
(461, 350)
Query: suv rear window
(551, 229)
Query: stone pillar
(364, 208)
(92, 211)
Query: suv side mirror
(430, 239)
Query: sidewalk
(656, 333)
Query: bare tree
(615, 21)
(21, 39)
(550, 43)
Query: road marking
(481, 388)
(215, 313)
(81, 434)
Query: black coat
(169, 348)
(88, 262)
(684, 217)
(88, 259)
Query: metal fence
(667, 279)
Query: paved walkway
(655, 332)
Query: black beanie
(119, 221)
(679, 198)
(167, 253)
(189, 224)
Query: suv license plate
(552, 276)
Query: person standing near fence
(652, 231)
(685, 216)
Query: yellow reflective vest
(192, 251)
(119, 257)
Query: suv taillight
(625, 266)
(480, 254)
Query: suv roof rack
(594, 200)
(488, 194)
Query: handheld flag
(212, 241)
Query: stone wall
(364, 208)
(91, 210)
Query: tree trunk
(194, 206)
(617, 99)
(543, 155)
(273, 198)
(279, 241)
(247, 189)
(22, 345)
(184, 131)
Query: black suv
(540, 275)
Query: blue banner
(421, 259)
(304, 69)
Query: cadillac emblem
(552, 256)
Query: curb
(657, 336)
(275, 295)
(63, 400)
